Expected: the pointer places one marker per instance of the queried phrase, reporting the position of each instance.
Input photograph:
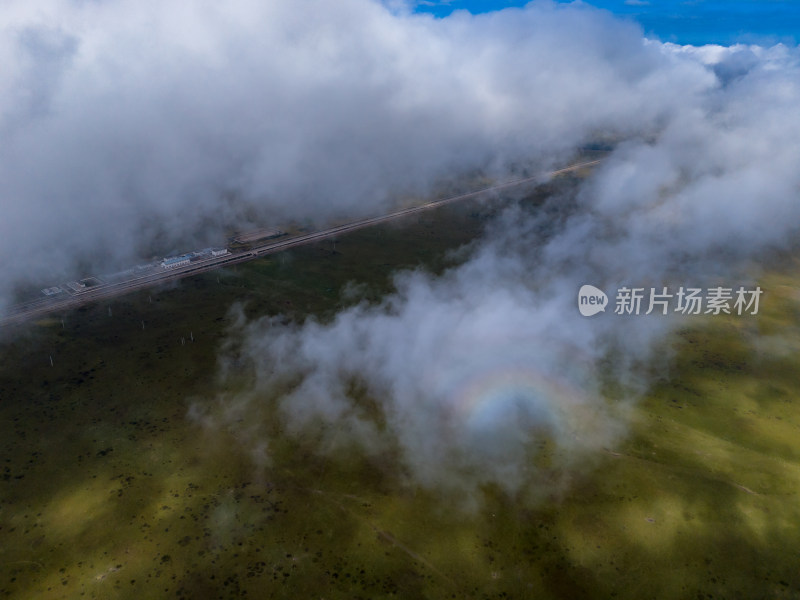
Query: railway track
(42, 307)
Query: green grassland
(109, 489)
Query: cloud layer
(130, 126)
(133, 127)
(475, 372)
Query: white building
(173, 262)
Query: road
(44, 306)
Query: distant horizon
(697, 23)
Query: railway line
(104, 290)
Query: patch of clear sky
(697, 22)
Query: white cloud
(474, 369)
(122, 122)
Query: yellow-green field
(111, 489)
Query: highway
(104, 290)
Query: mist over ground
(128, 128)
(126, 124)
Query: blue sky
(680, 21)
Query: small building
(75, 286)
(172, 262)
(219, 251)
(52, 291)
